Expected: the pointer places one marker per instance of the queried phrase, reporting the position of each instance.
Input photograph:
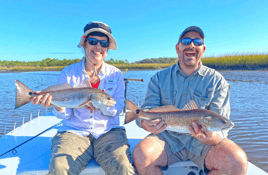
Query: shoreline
(142, 69)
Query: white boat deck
(33, 157)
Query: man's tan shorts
(70, 153)
(184, 154)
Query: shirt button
(184, 95)
(91, 116)
(91, 128)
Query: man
(89, 133)
(177, 85)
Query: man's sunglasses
(187, 41)
(94, 41)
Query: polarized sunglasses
(94, 41)
(187, 41)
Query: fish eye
(109, 98)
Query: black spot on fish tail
(138, 111)
(30, 93)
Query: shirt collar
(101, 73)
(200, 70)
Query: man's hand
(205, 136)
(154, 126)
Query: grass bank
(237, 62)
(227, 62)
(31, 69)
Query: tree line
(44, 63)
(165, 60)
(65, 62)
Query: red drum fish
(179, 120)
(64, 95)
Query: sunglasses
(94, 41)
(187, 41)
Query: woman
(89, 133)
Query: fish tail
(132, 111)
(22, 94)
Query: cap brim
(111, 38)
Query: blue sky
(32, 30)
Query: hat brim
(111, 38)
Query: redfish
(179, 120)
(64, 95)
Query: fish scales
(179, 120)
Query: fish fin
(58, 87)
(164, 109)
(22, 94)
(66, 86)
(85, 84)
(131, 111)
(190, 105)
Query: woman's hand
(44, 100)
(89, 106)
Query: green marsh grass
(31, 68)
(228, 62)
(249, 62)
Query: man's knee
(140, 154)
(237, 157)
(238, 162)
(149, 152)
(227, 157)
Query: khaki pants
(71, 153)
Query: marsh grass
(30, 68)
(225, 62)
(248, 62)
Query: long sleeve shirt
(206, 87)
(80, 121)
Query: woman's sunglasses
(187, 41)
(94, 41)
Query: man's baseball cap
(192, 29)
(96, 26)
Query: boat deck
(33, 157)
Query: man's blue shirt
(206, 87)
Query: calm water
(249, 111)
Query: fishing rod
(14, 149)
(126, 81)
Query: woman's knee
(59, 165)
(117, 161)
